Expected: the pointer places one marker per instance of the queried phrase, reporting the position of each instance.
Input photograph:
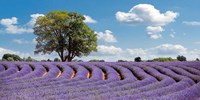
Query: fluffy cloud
(22, 54)
(106, 36)
(154, 32)
(191, 23)
(147, 14)
(8, 21)
(11, 26)
(164, 50)
(111, 53)
(137, 52)
(34, 17)
(88, 19)
(109, 50)
(4, 51)
(172, 35)
(170, 49)
(22, 41)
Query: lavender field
(99, 80)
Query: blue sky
(125, 29)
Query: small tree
(30, 59)
(66, 34)
(80, 60)
(138, 59)
(163, 59)
(181, 58)
(197, 59)
(48, 60)
(122, 61)
(43, 60)
(95, 60)
(57, 60)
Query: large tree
(65, 33)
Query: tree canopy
(11, 57)
(138, 59)
(181, 58)
(65, 33)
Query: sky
(125, 28)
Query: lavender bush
(100, 80)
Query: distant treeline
(14, 57)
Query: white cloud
(88, 19)
(137, 52)
(163, 50)
(34, 17)
(12, 27)
(34, 41)
(22, 54)
(106, 36)
(154, 32)
(109, 50)
(172, 35)
(4, 51)
(147, 14)
(170, 49)
(191, 23)
(8, 22)
(22, 41)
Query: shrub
(13, 56)
(163, 59)
(181, 58)
(30, 59)
(57, 60)
(122, 61)
(95, 60)
(138, 59)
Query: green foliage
(12, 57)
(49, 60)
(149, 61)
(138, 59)
(163, 59)
(29, 59)
(43, 60)
(122, 61)
(95, 60)
(65, 33)
(197, 59)
(80, 60)
(181, 58)
(57, 60)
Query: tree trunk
(69, 59)
(69, 50)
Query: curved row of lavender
(102, 80)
